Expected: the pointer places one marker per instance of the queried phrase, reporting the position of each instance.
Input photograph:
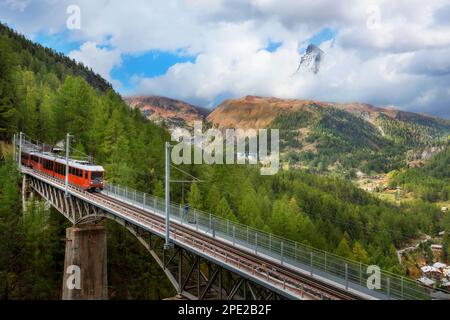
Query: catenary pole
(167, 244)
(20, 149)
(67, 163)
(14, 147)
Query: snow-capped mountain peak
(311, 60)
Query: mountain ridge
(356, 108)
(333, 137)
(174, 113)
(311, 60)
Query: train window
(96, 175)
(48, 165)
(85, 174)
(61, 169)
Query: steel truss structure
(193, 276)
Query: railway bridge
(208, 257)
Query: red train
(81, 174)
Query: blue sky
(58, 42)
(154, 63)
(205, 51)
(149, 64)
(323, 35)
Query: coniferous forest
(46, 95)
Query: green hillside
(45, 95)
(329, 213)
(430, 182)
(329, 139)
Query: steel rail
(267, 269)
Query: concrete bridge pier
(25, 192)
(85, 271)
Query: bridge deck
(284, 278)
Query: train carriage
(26, 159)
(46, 164)
(81, 173)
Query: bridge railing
(350, 274)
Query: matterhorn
(311, 60)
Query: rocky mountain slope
(321, 136)
(173, 112)
(311, 60)
(330, 136)
(259, 112)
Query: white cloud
(101, 60)
(403, 61)
(19, 5)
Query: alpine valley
(362, 182)
(323, 137)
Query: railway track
(282, 276)
(254, 266)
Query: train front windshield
(98, 176)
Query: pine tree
(213, 197)
(343, 249)
(7, 91)
(195, 197)
(359, 253)
(223, 210)
(11, 240)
